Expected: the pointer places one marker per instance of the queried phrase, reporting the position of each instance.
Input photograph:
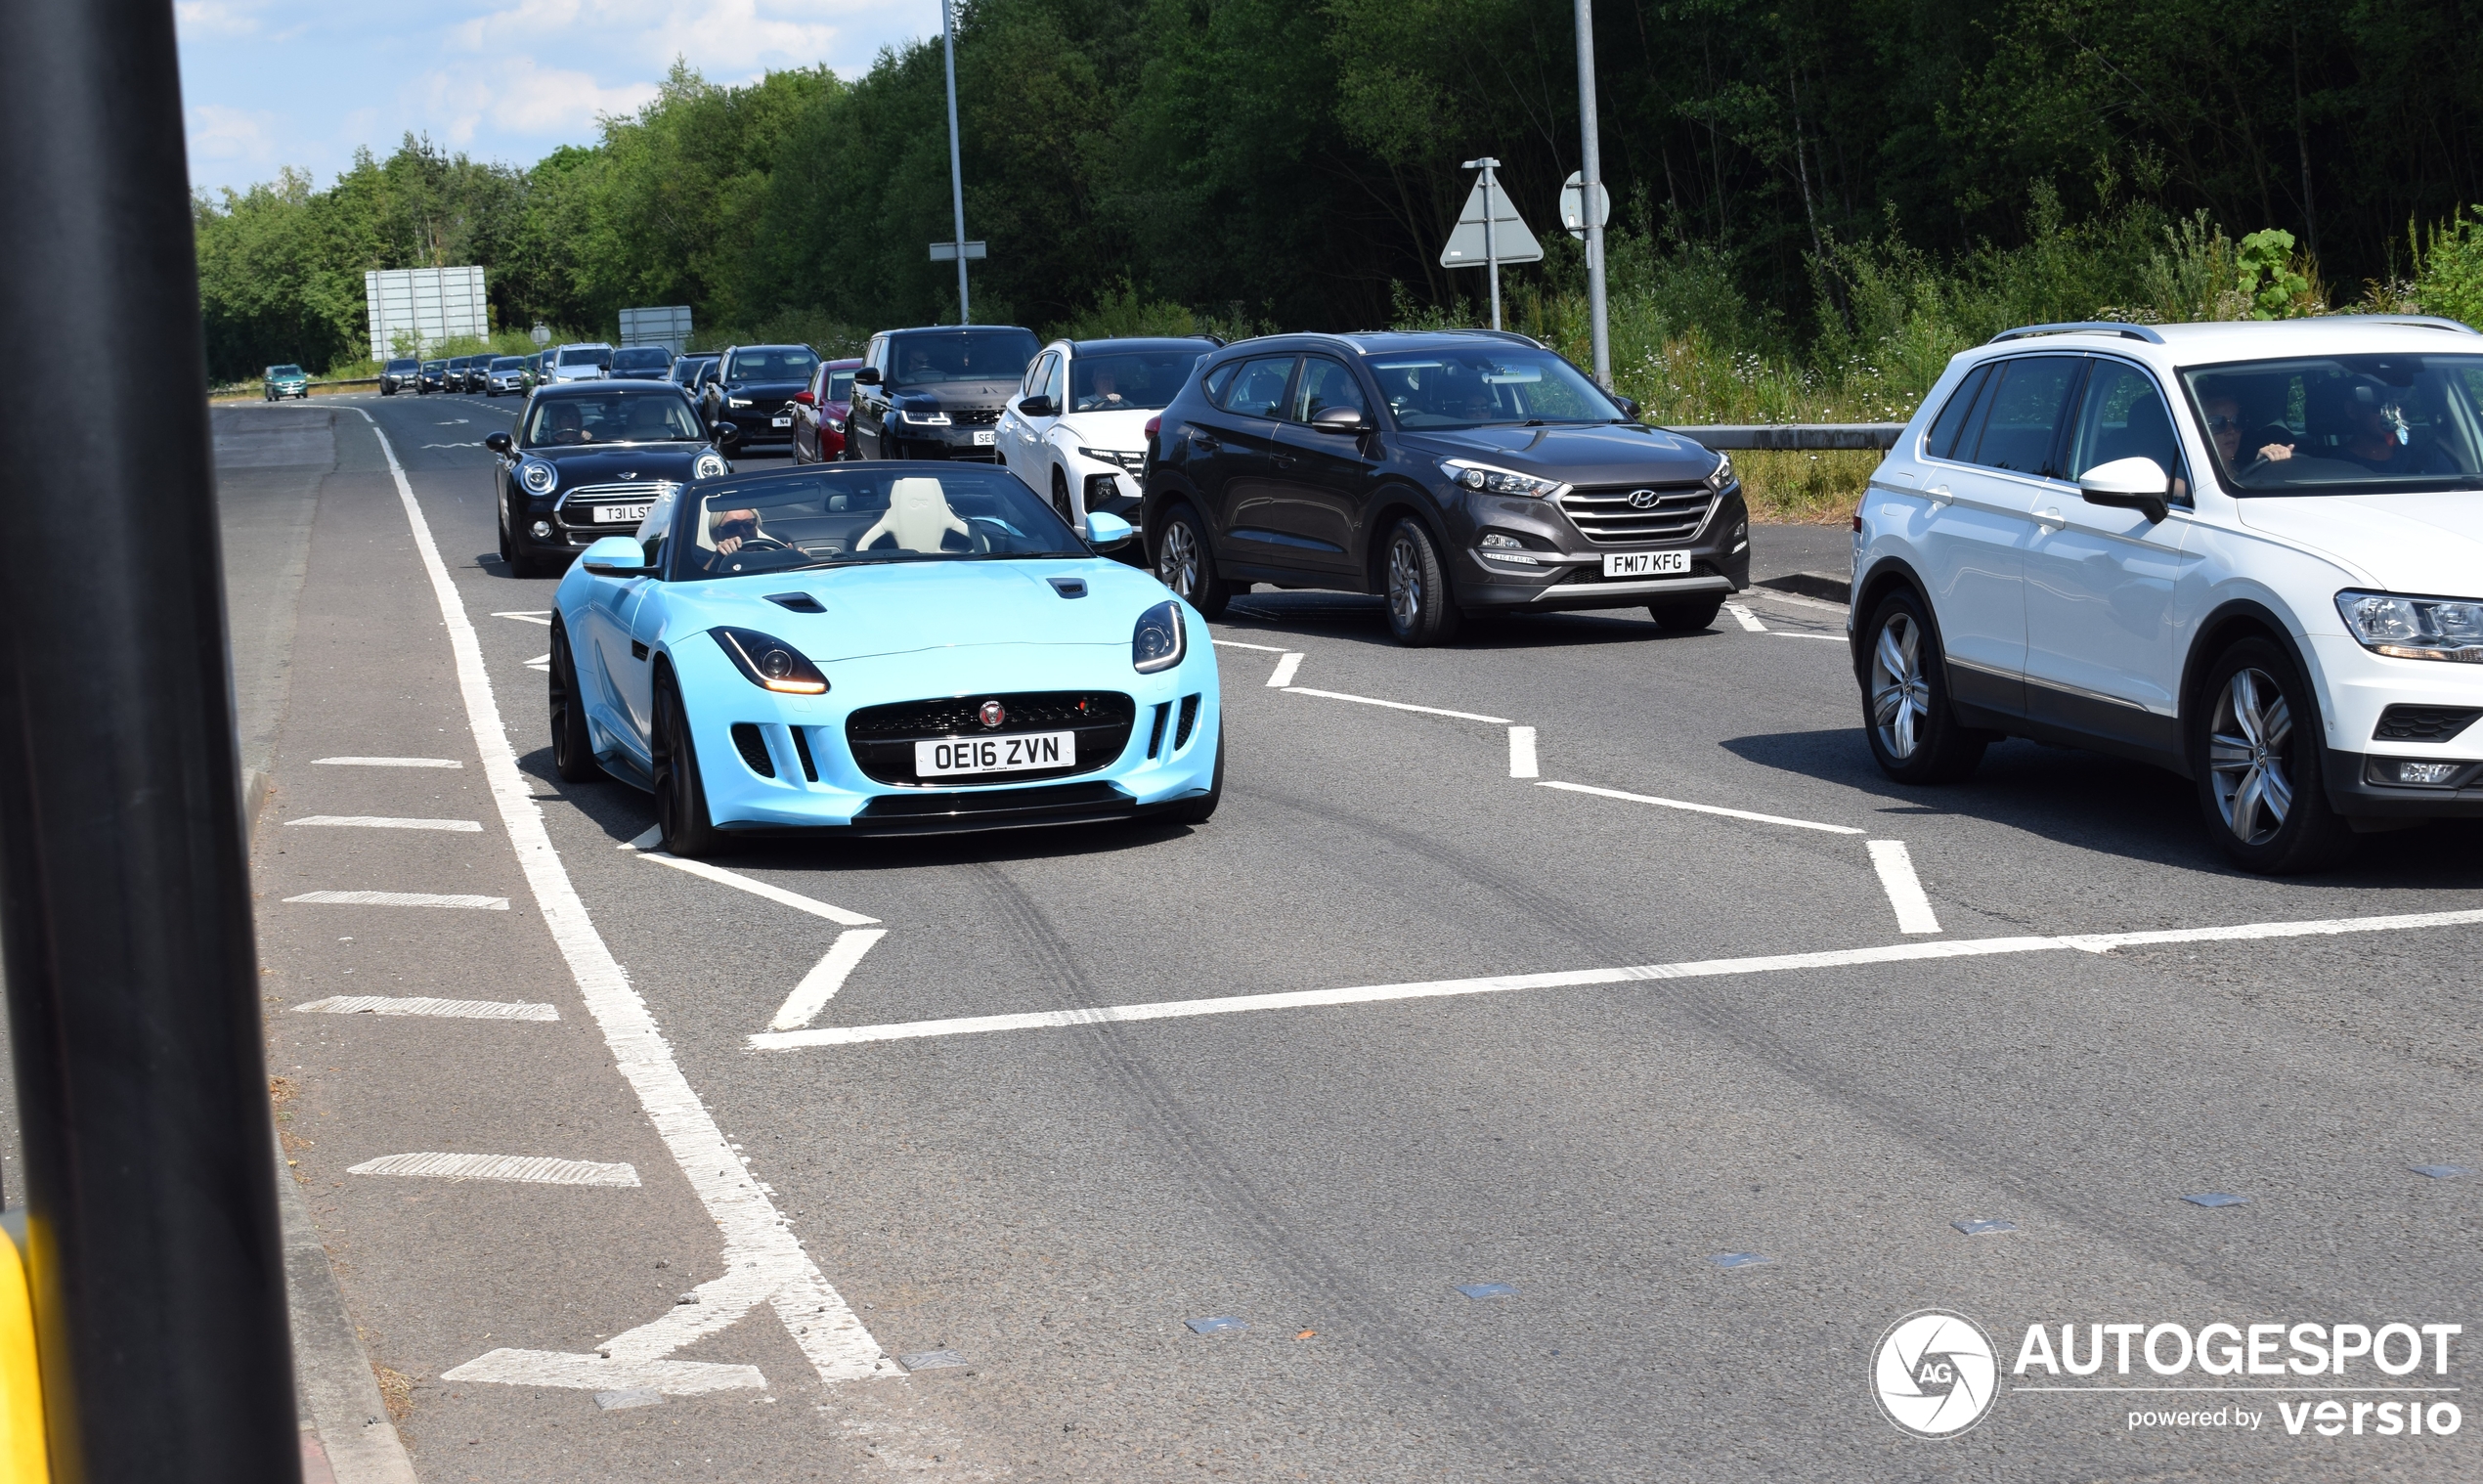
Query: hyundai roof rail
(2081, 326)
(2418, 321)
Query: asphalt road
(1052, 1196)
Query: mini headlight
(1722, 474)
(1160, 640)
(538, 476)
(2415, 627)
(1497, 481)
(923, 419)
(709, 466)
(770, 663)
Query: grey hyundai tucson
(1458, 472)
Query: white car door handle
(1940, 495)
(2050, 519)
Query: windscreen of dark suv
(974, 354)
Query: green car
(287, 382)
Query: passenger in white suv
(2252, 553)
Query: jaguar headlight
(1722, 474)
(770, 663)
(923, 419)
(1498, 481)
(709, 466)
(2415, 627)
(537, 476)
(1159, 641)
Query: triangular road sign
(1514, 243)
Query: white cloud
(738, 35)
(203, 18)
(220, 133)
(515, 95)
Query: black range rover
(590, 459)
(936, 393)
(1456, 472)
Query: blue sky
(267, 83)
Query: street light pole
(956, 176)
(1591, 197)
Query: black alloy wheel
(572, 754)
(2257, 752)
(1687, 614)
(1061, 496)
(1184, 563)
(680, 798)
(1421, 610)
(1915, 734)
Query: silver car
(508, 374)
(582, 361)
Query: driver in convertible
(731, 528)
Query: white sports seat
(918, 516)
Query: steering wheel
(763, 544)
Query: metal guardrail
(1795, 435)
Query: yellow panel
(22, 1452)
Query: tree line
(1779, 170)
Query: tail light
(1155, 425)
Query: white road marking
(1904, 890)
(793, 899)
(1429, 711)
(382, 822)
(1701, 808)
(1744, 617)
(645, 839)
(1237, 645)
(821, 984)
(1521, 753)
(389, 762)
(1714, 967)
(401, 899)
(541, 616)
(1776, 596)
(464, 1010)
(1282, 675)
(763, 1260)
(530, 1169)
(1795, 634)
(541, 662)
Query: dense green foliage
(1818, 201)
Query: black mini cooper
(590, 459)
(1458, 472)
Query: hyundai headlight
(1159, 641)
(538, 476)
(1722, 474)
(923, 419)
(1498, 481)
(770, 663)
(2415, 627)
(709, 466)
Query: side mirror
(1344, 420)
(498, 443)
(805, 398)
(2129, 484)
(868, 376)
(726, 432)
(1038, 406)
(1629, 405)
(616, 556)
(1105, 531)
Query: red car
(819, 412)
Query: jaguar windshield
(1487, 386)
(654, 415)
(2343, 424)
(841, 519)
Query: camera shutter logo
(1934, 1373)
(1643, 499)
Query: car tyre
(1184, 563)
(1906, 712)
(1061, 496)
(1686, 615)
(1422, 611)
(1200, 809)
(573, 750)
(680, 798)
(2256, 751)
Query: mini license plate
(995, 755)
(613, 515)
(785, 422)
(1646, 563)
(982, 438)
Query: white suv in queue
(1076, 428)
(2252, 553)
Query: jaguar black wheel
(681, 802)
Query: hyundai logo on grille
(993, 714)
(1643, 499)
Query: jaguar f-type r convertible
(886, 648)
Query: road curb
(332, 1370)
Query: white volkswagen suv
(2249, 552)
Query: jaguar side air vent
(799, 602)
(1068, 587)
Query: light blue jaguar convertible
(887, 648)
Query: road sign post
(1591, 191)
(1488, 233)
(956, 176)
(948, 252)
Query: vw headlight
(709, 466)
(1722, 474)
(2415, 627)
(770, 663)
(1495, 481)
(1160, 640)
(923, 419)
(537, 476)
(737, 401)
